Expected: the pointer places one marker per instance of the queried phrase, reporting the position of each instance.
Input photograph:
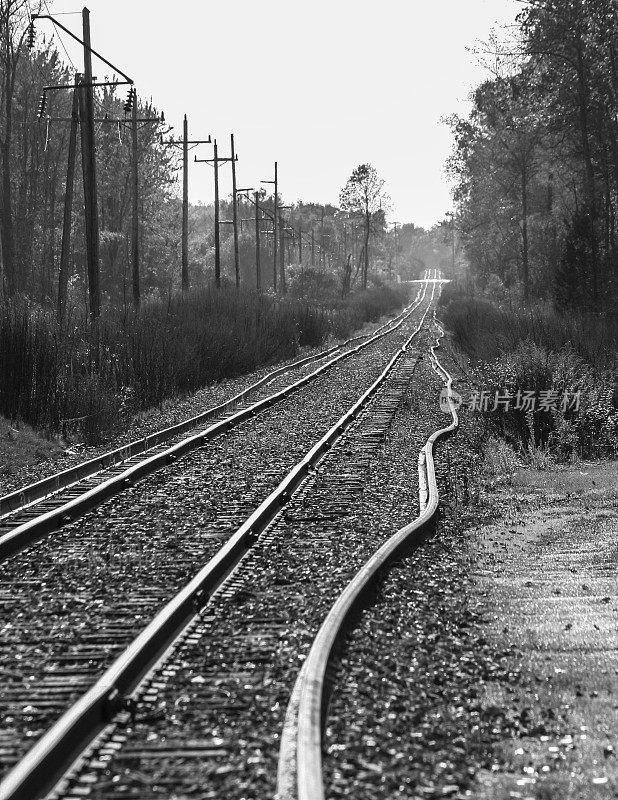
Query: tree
(12, 32)
(364, 195)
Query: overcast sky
(319, 86)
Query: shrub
(98, 376)
(537, 349)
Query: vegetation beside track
(86, 380)
(536, 349)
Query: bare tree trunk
(7, 232)
(587, 153)
(366, 267)
(524, 230)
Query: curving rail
(38, 771)
(23, 534)
(300, 762)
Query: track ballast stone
(73, 601)
(228, 685)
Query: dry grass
(90, 380)
(20, 446)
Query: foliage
(130, 361)
(364, 196)
(538, 350)
(536, 163)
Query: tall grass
(538, 350)
(100, 375)
(485, 330)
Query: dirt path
(548, 569)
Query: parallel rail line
(24, 524)
(87, 718)
(300, 763)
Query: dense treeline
(325, 247)
(58, 371)
(536, 163)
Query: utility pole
(86, 108)
(300, 244)
(275, 201)
(312, 247)
(134, 205)
(185, 205)
(258, 277)
(217, 234)
(257, 218)
(135, 254)
(235, 213)
(282, 284)
(282, 287)
(184, 144)
(85, 104)
(236, 194)
(214, 162)
(322, 264)
(63, 272)
(130, 105)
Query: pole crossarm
(88, 47)
(86, 85)
(212, 160)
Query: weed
(90, 379)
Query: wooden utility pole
(215, 161)
(275, 209)
(86, 113)
(322, 260)
(185, 205)
(282, 286)
(83, 91)
(217, 234)
(134, 205)
(312, 247)
(63, 272)
(258, 277)
(300, 244)
(184, 144)
(276, 202)
(235, 213)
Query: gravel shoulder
(547, 566)
(487, 667)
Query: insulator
(162, 117)
(128, 105)
(30, 41)
(42, 106)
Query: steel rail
(310, 691)
(62, 744)
(48, 522)
(20, 498)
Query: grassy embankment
(538, 350)
(101, 376)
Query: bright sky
(319, 86)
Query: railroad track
(300, 764)
(114, 696)
(47, 505)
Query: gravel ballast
(74, 600)
(213, 721)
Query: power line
(59, 37)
